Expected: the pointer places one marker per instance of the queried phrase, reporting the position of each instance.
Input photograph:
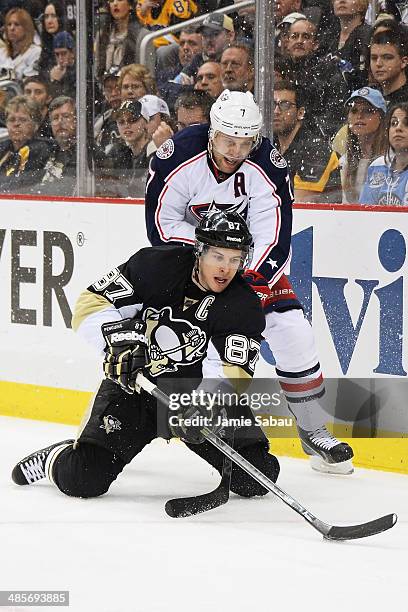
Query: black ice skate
(327, 453)
(32, 468)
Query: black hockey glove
(125, 351)
(187, 422)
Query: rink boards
(349, 269)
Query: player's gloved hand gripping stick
(329, 532)
(125, 351)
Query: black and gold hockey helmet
(227, 230)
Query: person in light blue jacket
(387, 177)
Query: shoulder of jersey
(378, 162)
(183, 146)
(240, 290)
(269, 159)
(239, 307)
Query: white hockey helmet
(236, 113)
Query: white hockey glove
(125, 351)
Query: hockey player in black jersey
(170, 311)
(229, 166)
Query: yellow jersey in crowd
(171, 12)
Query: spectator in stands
(157, 111)
(388, 9)
(312, 163)
(365, 140)
(171, 59)
(209, 79)
(22, 155)
(281, 40)
(59, 173)
(169, 79)
(302, 39)
(382, 24)
(156, 14)
(319, 80)
(135, 81)
(53, 21)
(128, 158)
(218, 33)
(105, 129)
(191, 108)
(316, 11)
(237, 68)
(286, 7)
(387, 176)
(388, 63)
(63, 74)
(389, 25)
(245, 23)
(116, 45)
(350, 39)
(33, 7)
(20, 54)
(37, 88)
(70, 15)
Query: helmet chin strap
(210, 146)
(196, 276)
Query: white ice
(121, 552)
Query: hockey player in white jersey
(230, 166)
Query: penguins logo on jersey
(200, 210)
(173, 343)
(110, 424)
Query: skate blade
(319, 465)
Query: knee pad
(242, 483)
(86, 471)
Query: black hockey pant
(119, 426)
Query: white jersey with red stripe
(183, 185)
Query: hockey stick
(329, 532)
(188, 506)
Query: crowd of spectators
(341, 92)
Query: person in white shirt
(20, 54)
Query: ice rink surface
(122, 553)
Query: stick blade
(189, 506)
(354, 532)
